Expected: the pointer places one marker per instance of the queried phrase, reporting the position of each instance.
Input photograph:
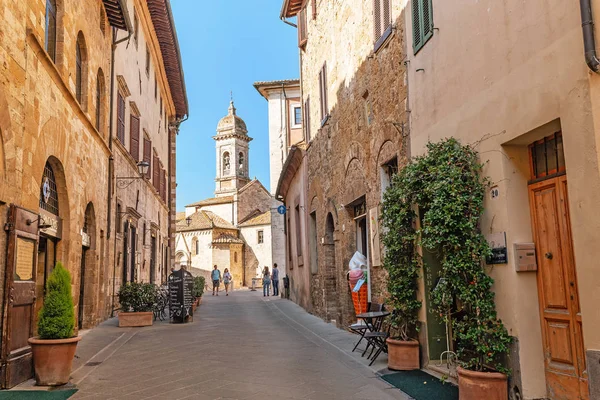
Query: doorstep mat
(421, 386)
(36, 394)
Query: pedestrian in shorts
(216, 278)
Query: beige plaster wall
(493, 72)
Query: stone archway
(88, 272)
(330, 270)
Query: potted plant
(402, 264)
(449, 189)
(199, 282)
(137, 304)
(54, 347)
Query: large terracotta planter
(135, 319)
(53, 359)
(474, 385)
(402, 355)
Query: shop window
(546, 157)
(48, 191)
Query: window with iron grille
(547, 157)
(51, 29)
(48, 191)
(422, 19)
(382, 21)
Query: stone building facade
(56, 159)
(354, 103)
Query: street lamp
(188, 221)
(124, 181)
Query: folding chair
(378, 339)
(361, 329)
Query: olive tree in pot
(53, 350)
(402, 264)
(137, 302)
(448, 186)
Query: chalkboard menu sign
(181, 284)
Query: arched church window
(48, 193)
(241, 164)
(197, 246)
(226, 163)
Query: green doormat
(36, 394)
(422, 386)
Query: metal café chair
(362, 328)
(377, 339)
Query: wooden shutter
(422, 18)
(163, 185)
(148, 156)
(314, 9)
(307, 118)
(323, 91)
(302, 31)
(156, 177)
(121, 118)
(377, 19)
(134, 137)
(386, 15)
(427, 20)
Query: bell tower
(232, 144)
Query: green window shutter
(422, 17)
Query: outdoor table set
(372, 331)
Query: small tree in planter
(402, 264)
(54, 349)
(199, 283)
(447, 185)
(137, 302)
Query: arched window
(99, 96)
(241, 162)
(51, 29)
(197, 246)
(226, 163)
(81, 71)
(235, 257)
(48, 192)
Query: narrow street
(243, 346)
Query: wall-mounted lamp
(124, 181)
(188, 221)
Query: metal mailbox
(525, 259)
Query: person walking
(216, 278)
(227, 278)
(266, 282)
(275, 280)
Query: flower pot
(473, 385)
(403, 355)
(53, 359)
(134, 319)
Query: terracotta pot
(53, 359)
(200, 300)
(194, 305)
(403, 355)
(473, 385)
(133, 319)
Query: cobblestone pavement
(243, 346)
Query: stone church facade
(233, 229)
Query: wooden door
(19, 296)
(566, 375)
(81, 306)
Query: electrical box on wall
(525, 259)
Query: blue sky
(227, 45)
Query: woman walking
(227, 278)
(266, 282)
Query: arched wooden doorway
(87, 275)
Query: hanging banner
(374, 236)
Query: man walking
(275, 279)
(216, 278)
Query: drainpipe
(111, 159)
(285, 21)
(589, 41)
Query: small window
(49, 191)
(226, 163)
(79, 72)
(235, 257)
(51, 29)
(119, 217)
(368, 109)
(298, 232)
(261, 237)
(147, 61)
(136, 26)
(388, 170)
(422, 20)
(323, 93)
(547, 157)
(297, 116)
(102, 19)
(241, 164)
(197, 246)
(99, 95)
(382, 21)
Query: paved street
(238, 347)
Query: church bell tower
(232, 144)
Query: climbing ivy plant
(447, 186)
